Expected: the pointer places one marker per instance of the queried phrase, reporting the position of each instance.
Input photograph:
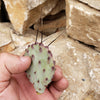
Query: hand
(14, 84)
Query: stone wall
(76, 36)
(83, 22)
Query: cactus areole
(42, 68)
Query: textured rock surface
(61, 5)
(86, 26)
(6, 44)
(28, 37)
(23, 15)
(93, 3)
(9, 40)
(80, 66)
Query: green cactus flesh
(42, 68)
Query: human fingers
(61, 84)
(57, 88)
(58, 74)
(55, 93)
(12, 64)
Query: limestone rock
(83, 23)
(28, 37)
(61, 5)
(93, 3)
(23, 40)
(94, 72)
(76, 61)
(5, 36)
(92, 96)
(6, 44)
(24, 13)
(9, 40)
(7, 48)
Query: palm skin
(14, 84)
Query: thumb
(12, 64)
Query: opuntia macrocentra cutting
(42, 67)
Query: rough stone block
(28, 37)
(9, 40)
(92, 3)
(6, 44)
(83, 23)
(61, 5)
(24, 13)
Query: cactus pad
(42, 67)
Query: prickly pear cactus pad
(42, 67)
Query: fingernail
(23, 58)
